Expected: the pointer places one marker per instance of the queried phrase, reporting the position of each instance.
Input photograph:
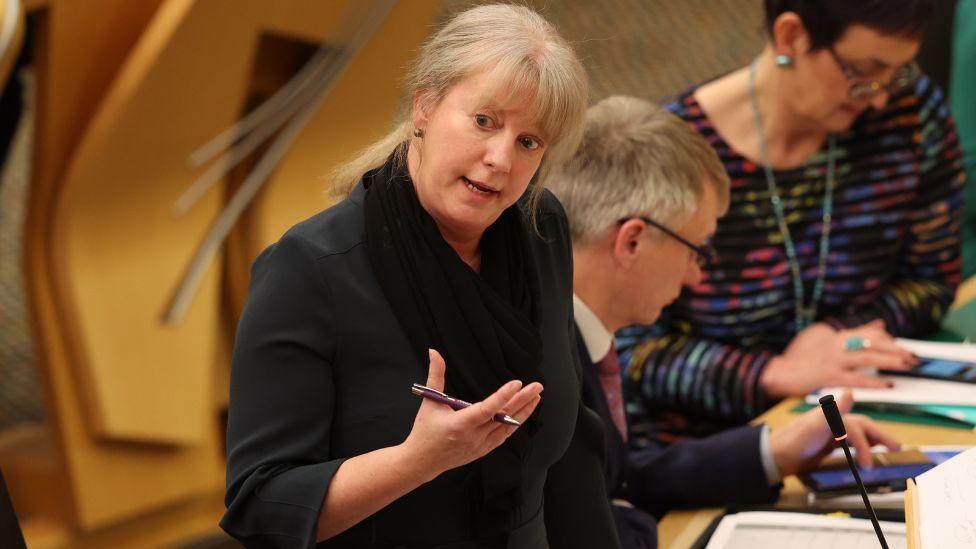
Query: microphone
(836, 423)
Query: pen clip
(419, 389)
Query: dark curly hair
(826, 20)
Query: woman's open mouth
(477, 187)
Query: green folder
(963, 414)
(958, 417)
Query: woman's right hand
(817, 358)
(442, 439)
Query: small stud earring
(784, 61)
(417, 132)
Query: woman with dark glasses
(843, 230)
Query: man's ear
(627, 241)
(789, 35)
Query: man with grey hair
(643, 194)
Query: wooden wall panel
(132, 411)
(111, 481)
(118, 255)
(118, 251)
(73, 66)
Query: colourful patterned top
(894, 255)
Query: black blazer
(322, 372)
(722, 469)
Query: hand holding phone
(890, 471)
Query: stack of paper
(965, 352)
(913, 395)
(910, 390)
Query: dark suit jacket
(722, 469)
(322, 372)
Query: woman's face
(474, 160)
(821, 90)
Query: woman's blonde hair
(523, 57)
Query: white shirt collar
(595, 336)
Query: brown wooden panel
(118, 251)
(73, 65)
(134, 419)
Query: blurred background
(150, 149)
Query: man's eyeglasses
(704, 255)
(865, 89)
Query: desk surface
(680, 529)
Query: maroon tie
(609, 370)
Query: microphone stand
(864, 492)
(836, 423)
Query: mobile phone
(937, 368)
(889, 478)
(890, 471)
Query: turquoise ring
(857, 343)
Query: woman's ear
(789, 36)
(420, 109)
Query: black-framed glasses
(704, 255)
(904, 76)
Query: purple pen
(456, 404)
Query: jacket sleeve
(703, 379)
(577, 505)
(929, 269)
(577, 501)
(281, 403)
(690, 473)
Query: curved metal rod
(281, 98)
(264, 120)
(255, 180)
(230, 158)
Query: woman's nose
(498, 154)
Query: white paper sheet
(963, 352)
(909, 390)
(761, 530)
(947, 503)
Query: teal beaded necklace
(805, 314)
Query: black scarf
(486, 326)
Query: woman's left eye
(529, 143)
(483, 121)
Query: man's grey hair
(635, 159)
